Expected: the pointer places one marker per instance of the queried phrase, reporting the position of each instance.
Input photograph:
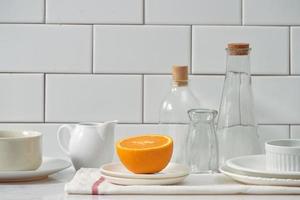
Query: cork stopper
(238, 48)
(180, 75)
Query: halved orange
(145, 154)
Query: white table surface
(53, 189)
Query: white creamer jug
(89, 144)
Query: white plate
(138, 181)
(173, 170)
(48, 167)
(235, 175)
(255, 165)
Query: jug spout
(109, 126)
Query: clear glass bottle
(202, 148)
(237, 128)
(173, 114)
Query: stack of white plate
(252, 170)
(116, 173)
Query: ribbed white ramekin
(283, 155)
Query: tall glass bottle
(173, 114)
(237, 128)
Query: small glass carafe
(237, 129)
(173, 114)
(201, 148)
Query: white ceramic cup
(20, 150)
(283, 155)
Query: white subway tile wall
(277, 99)
(94, 11)
(45, 48)
(65, 61)
(269, 55)
(193, 11)
(22, 97)
(18, 11)
(295, 131)
(271, 12)
(87, 97)
(295, 50)
(140, 49)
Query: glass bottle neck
(202, 116)
(180, 85)
(238, 63)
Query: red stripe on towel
(96, 185)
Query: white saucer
(138, 181)
(48, 167)
(255, 165)
(118, 170)
(235, 175)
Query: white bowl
(20, 150)
(283, 155)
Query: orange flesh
(145, 154)
(143, 142)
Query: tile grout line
(191, 49)
(144, 1)
(149, 24)
(93, 41)
(45, 2)
(146, 74)
(44, 102)
(242, 13)
(129, 123)
(290, 51)
(143, 93)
